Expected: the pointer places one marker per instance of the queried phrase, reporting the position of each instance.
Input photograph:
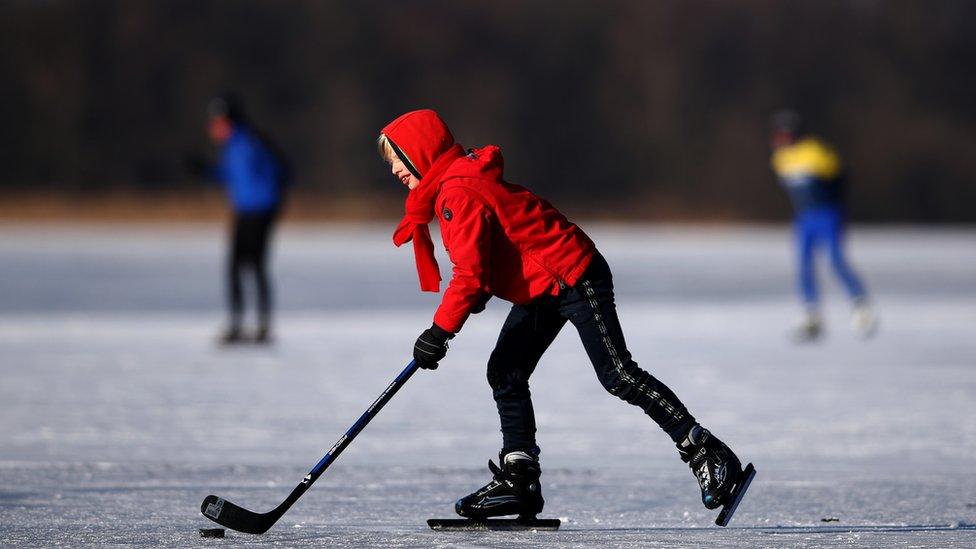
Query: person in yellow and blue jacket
(812, 174)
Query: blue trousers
(814, 228)
(530, 329)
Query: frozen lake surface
(119, 414)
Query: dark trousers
(249, 252)
(530, 329)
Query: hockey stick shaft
(361, 423)
(233, 516)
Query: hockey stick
(238, 518)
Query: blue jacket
(250, 171)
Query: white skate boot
(863, 320)
(810, 328)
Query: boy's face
(401, 172)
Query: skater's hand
(431, 347)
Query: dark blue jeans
(530, 329)
(823, 226)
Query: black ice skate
(232, 336)
(263, 336)
(719, 473)
(514, 490)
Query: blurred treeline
(637, 109)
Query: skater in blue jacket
(253, 172)
(813, 176)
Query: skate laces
(499, 476)
(692, 448)
(693, 451)
(510, 469)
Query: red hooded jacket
(502, 239)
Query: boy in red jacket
(505, 241)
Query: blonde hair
(391, 152)
(384, 147)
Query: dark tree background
(647, 109)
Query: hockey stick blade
(235, 517)
(725, 515)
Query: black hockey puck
(211, 532)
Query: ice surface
(118, 414)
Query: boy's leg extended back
(590, 307)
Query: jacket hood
(421, 136)
(483, 163)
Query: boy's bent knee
(507, 384)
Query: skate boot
(716, 468)
(810, 328)
(863, 320)
(231, 336)
(263, 335)
(514, 489)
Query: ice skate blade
(493, 524)
(728, 510)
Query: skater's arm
(198, 166)
(237, 161)
(467, 236)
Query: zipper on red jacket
(559, 280)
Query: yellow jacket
(810, 172)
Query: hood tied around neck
(423, 141)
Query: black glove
(431, 347)
(480, 305)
